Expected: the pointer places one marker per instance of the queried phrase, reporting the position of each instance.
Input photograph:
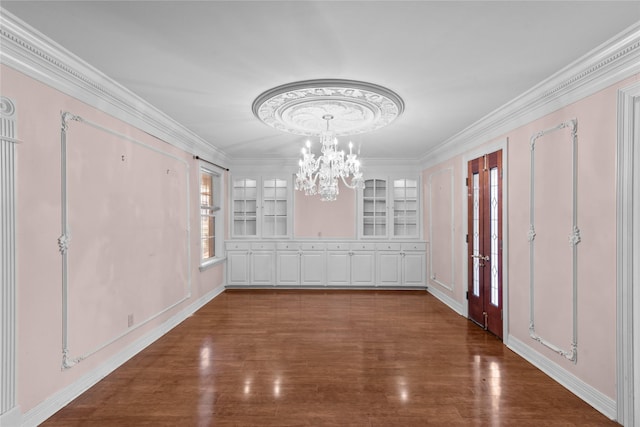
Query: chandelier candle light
(328, 108)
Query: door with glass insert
(484, 187)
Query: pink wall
(314, 218)
(596, 300)
(443, 212)
(39, 271)
(596, 303)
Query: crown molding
(34, 54)
(609, 63)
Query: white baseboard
(456, 306)
(584, 391)
(60, 399)
(11, 418)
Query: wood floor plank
(325, 358)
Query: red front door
(484, 187)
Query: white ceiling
(204, 62)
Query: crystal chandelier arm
(357, 183)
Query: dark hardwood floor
(318, 358)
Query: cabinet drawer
(316, 246)
(363, 246)
(335, 246)
(287, 246)
(237, 246)
(263, 245)
(414, 246)
(388, 246)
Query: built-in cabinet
(351, 264)
(251, 263)
(388, 207)
(326, 264)
(387, 254)
(401, 264)
(261, 207)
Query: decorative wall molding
(32, 53)
(64, 240)
(60, 399)
(8, 315)
(433, 275)
(601, 402)
(574, 238)
(611, 62)
(627, 259)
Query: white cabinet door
(262, 268)
(313, 268)
(413, 271)
(362, 268)
(389, 269)
(338, 268)
(288, 268)
(238, 267)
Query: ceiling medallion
(356, 107)
(328, 109)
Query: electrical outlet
(130, 320)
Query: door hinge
(466, 238)
(466, 182)
(467, 295)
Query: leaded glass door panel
(484, 187)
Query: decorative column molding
(628, 265)
(8, 139)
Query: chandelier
(327, 168)
(328, 108)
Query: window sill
(211, 262)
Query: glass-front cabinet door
(374, 208)
(274, 204)
(389, 207)
(261, 207)
(405, 208)
(245, 207)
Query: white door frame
(500, 144)
(628, 249)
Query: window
(210, 216)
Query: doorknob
(480, 257)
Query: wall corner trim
(586, 392)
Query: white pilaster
(8, 140)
